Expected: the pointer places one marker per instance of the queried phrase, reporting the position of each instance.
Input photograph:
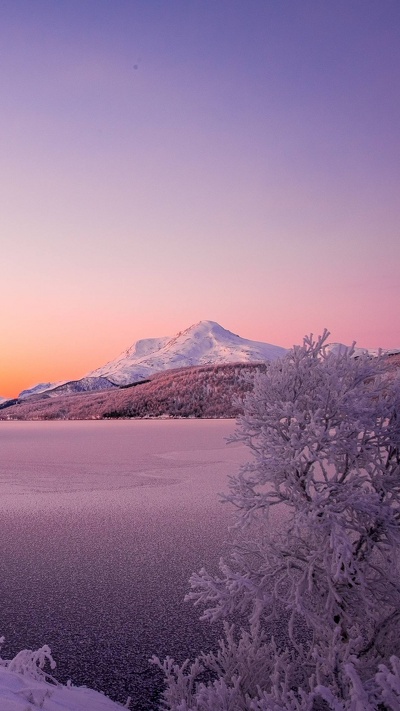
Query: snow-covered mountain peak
(203, 327)
(202, 343)
(206, 331)
(146, 346)
(209, 329)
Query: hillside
(200, 391)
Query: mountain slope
(198, 391)
(80, 386)
(203, 343)
(65, 387)
(38, 389)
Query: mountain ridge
(202, 343)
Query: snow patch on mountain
(39, 388)
(341, 347)
(68, 387)
(84, 385)
(203, 343)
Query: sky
(169, 161)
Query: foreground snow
(24, 686)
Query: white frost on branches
(324, 431)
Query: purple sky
(164, 162)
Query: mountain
(340, 347)
(203, 371)
(203, 343)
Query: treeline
(201, 391)
(208, 391)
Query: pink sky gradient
(164, 163)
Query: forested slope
(199, 391)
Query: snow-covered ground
(24, 686)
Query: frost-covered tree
(312, 583)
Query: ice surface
(102, 524)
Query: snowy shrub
(31, 663)
(312, 581)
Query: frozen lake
(101, 525)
